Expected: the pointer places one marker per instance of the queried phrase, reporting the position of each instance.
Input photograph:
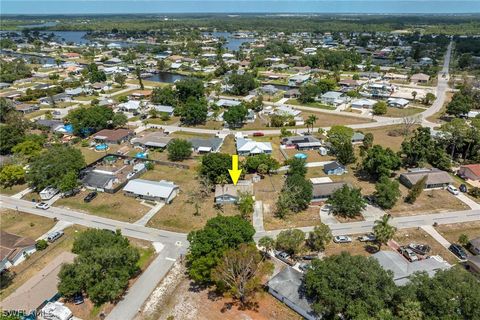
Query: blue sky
(237, 6)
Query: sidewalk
(258, 216)
(149, 215)
(22, 193)
(469, 202)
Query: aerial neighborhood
(250, 167)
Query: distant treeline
(458, 25)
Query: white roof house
(398, 102)
(165, 109)
(250, 147)
(363, 103)
(162, 190)
(332, 97)
(227, 103)
(131, 105)
(56, 310)
(284, 110)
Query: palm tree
(312, 119)
(383, 231)
(414, 95)
(222, 180)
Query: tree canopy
(179, 150)
(105, 263)
(208, 245)
(214, 165)
(93, 119)
(380, 162)
(347, 202)
(53, 164)
(356, 287)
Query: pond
(29, 57)
(166, 77)
(233, 43)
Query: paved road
(400, 222)
(128, 229)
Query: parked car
(258, 134)
(310, 257)
(342, 239)
(70, 193)
(42, 205)
(422, 249)
(304, 266)
(54, 236)
(285, 257)
(408, 254)
(78, 298)
(457, 250)
(92, 195)
(463, 188)
(367, 238)
(452, 189)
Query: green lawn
(319, 105)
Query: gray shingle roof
(402, 269)
(288, 283)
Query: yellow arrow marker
(235, 173)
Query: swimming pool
(141, 155)
(301, 156)
(101, 147)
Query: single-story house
(470, 172)
(14, 249)
(226, 103)
(287, 111)
(420, 78)
(247, 147)
(332, 97)
(302, 142)
(200, 145)
(130, 106)
(53, 125)
(363, 103)
(435, 178)
(298, 79)
(56, 310)
(398, 102)
(164, 109)
(287, 286)
(324, 190)
(268, 89)
(230, 193)
(163, 191)
(349, 83)
(141, 94)
(99, 181)
(116, 136)
(474, 246)
(292, 93)
(26, 108)
(60, 97)
(358, 137)
(403, 269)
(152, 140)
(334, 168)
(78, 91)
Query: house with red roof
(470, 172)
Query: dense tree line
(90, 120)
(14, 70)
(357, 287)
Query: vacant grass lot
(13, 190)
(407, 236)
(24, 224)
(398, 112)
(181, 215)
(319, 105)
(113, 206)
(387, 136)
(452, 232)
